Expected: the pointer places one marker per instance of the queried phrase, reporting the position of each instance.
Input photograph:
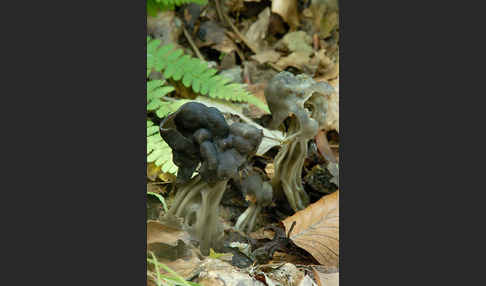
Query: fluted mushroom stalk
(304, 102)
(260, 192)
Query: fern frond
(158, 151)
(156, 100)
(196, 74)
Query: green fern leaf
(196, 73)
(158, 151)
(156, 100)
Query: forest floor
(251, 41)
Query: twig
(219, 11)
(191, 42)
(291, 228)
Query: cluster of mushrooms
(210, 153)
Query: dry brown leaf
(270, 170)
(158, 232)
(323, 278)
(152, 171)
(261, 233)
(213, 34)
(327, 68)
(287, 9)
(258, 30)
(167, 177)
(258, 91)
(297, 60)
(297, 41)
(317, 229)
(332, 114)
(267, 56)
(279, 257)
(217, 272)
(158, 189)
(185, 267)
(166, 27)
(287, 275)
(307, 281)
(324, 148)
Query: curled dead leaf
(317, 229)
(287, 9)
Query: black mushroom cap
(199, 134)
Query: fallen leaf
(185, 267)
(287, 9)
(167, 177)
(332, 114)
(324, 278)
(158, 232)
(288, 275)
(267, 56)
(327, 68)
(307, 281)
(297, 41)
(258, 30)
(291, 258)
(212, 34)
(217, 272)
(324, 148)
(317, 229)
(270, 170)
(269, 281)
(153, 188)
(166, 27)
(261, 233)
(297, 60)
(152, 171)
(258, 91)
(329, 23)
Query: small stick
(191, 42)
(219, 11)
(291, 228)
